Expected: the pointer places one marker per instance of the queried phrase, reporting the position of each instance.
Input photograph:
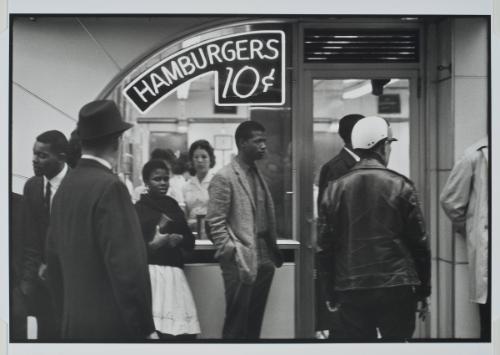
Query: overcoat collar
(94, 164)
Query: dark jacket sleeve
(17, 236)
(33, 247)
(326, 242)
(416, 238)
(188, 240)
(118, 235)
(326, 228)
(148, 221)
(322, 183)
(54, 274)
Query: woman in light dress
(195, 192)
(167, 237)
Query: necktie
(46, 199)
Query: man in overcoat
(465, 200)
(97, 263)
(242, 226)
(50, 168)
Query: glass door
(328, 96)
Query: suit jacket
(17, 237)
(96, 258)
(36, 227)
(231, 220)
(336, 167)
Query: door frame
(303, 137)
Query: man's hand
(460, 228)
(332, 306)
(42, 272)
(25, 288)
(422, 308)
(159, 239)
(153, 336)
(173, 239)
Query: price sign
(249, 69)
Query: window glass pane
(335, 98)
(190, 114)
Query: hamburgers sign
(249, 70)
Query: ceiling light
(358, 91)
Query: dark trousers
(18, 325)
(40, 305)
(361, 312)
(245, 303)
(485, 320)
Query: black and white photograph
(250, 178)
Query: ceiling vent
(360, 46)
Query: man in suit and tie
(335, 168)
(340, 164)
(97, 261)
(242, 226)
(49, 164)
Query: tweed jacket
(231, 220)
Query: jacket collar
(348, 152)
(238, 167)
(372, 162)
(93, 163)
(482, 143)
(98, 159)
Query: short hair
(205, 145)
(346, 125)
(57, 141)
(245, 129)
(181, 165)
(151, 166)
(164, 154)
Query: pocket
(228, 252)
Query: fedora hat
(99, 119)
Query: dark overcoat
(97, 263)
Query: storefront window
(335, 98)
(191, 113)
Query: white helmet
(368, 131)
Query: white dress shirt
(54, 182)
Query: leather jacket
(372, 226)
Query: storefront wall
(59, 64)
(460, 85)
